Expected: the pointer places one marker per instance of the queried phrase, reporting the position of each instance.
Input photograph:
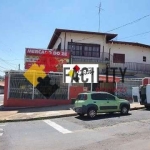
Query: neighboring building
(102, 48)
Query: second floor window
(118, 58)
(82, 49)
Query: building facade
(102, 48)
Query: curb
(52, 117)
(38, 118)
(136, 108)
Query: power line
(2, 71)
(2, 67)
(6, 62)
(115, 28)
(136, 35)
(9, 50)
(129, 23)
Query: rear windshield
(82, 97)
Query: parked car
(100, 102)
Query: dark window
(98, 96)
(110, 97)
(118, 58)
(82, 49)
(82, 97)
(144, 58)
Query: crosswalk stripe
(1, 129)
(57, 127)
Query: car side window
(110, 97)
(98, 96)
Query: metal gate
(19, 87)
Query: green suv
(100, 102)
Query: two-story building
(102, 48)
(85, 48)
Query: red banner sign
(38, 52)
(33, 54)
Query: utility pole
(99, 12)
(19, 67)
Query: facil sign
(81, 73)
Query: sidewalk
(26, 114)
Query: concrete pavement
(26, 114)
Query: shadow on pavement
(102, 116)
(38, 109)
(42, 109)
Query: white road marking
(2, 125)
(1, 134)
(57, 127)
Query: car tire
(81, 115)
(92, 113)
(124, 110)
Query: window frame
(97, 99)
(116, 58)
(94, 52)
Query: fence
(103, 58)
(21, 88)
(126, 93)
(133, 66)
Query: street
(106, 132)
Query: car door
(100, 99)
(104, 104)
(112, 104)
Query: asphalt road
(106, 132)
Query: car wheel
(124, 110)
(92, 113)
(81, 115)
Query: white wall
(88, 38)
(57, 43)
(132, 53)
